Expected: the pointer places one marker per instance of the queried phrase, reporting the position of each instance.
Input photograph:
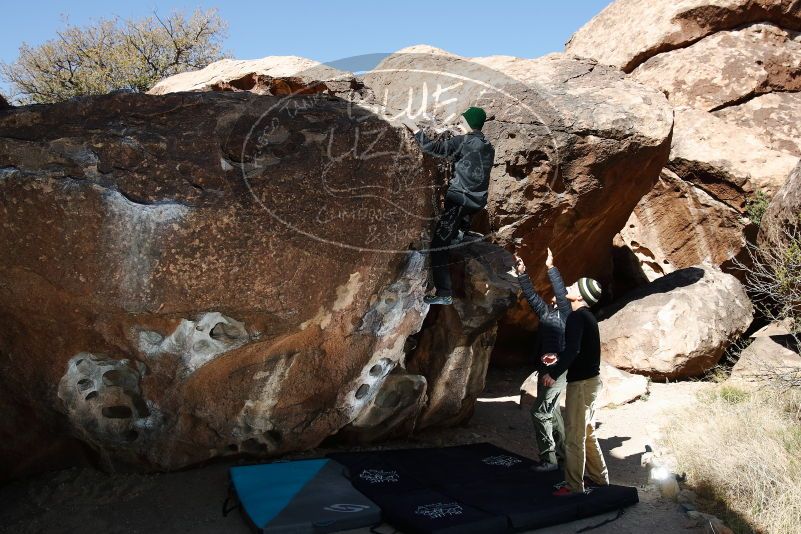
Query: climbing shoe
(472, 236)
(436, 299)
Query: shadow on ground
(88, 501)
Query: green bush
(756, 206)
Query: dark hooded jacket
(473, 156)
(551, 335)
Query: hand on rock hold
(520, 267)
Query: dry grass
(742, 451)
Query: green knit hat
(475, 117)
(590, 290)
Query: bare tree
(113, 54)
(773, 281)
(774, 278)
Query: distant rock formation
(737, 63)
(697, 211)
(643, 29)
(272, 75)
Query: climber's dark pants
(455, 217)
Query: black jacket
(473, 156)
(552, 320)
(582, 355)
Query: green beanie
(475, 117)
(590, 290)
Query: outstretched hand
(549, 259)
(520, 267)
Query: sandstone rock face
(727, 68)
(180, 286)
(643, 29)
(677, 326)
(728, 162)
(393, 410)
(577, 146)
(456, 342)
(783, 215)
(233, 277)
(560, 127)
(272, 75)
(741, 60)
(774, 116)
(677, 225)
(767, 359)
(696, 212)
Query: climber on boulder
(549, 429)
(467, 192)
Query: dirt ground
(88, 501)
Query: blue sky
(327, 31)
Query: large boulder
(677, 326)
(739, 60)
(782, 219)
(628, 32)
(235, 276)
(456, 342)
(696, 212)
(678, 225)
(768, 359)
(271, 75)
(728, 162)
(727, 68)
(774, 116)
(577, 146)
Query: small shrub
(731, 394)
(756, 206)
(743, 450)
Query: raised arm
(559, 291)
(443, 148)
(534, 300)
